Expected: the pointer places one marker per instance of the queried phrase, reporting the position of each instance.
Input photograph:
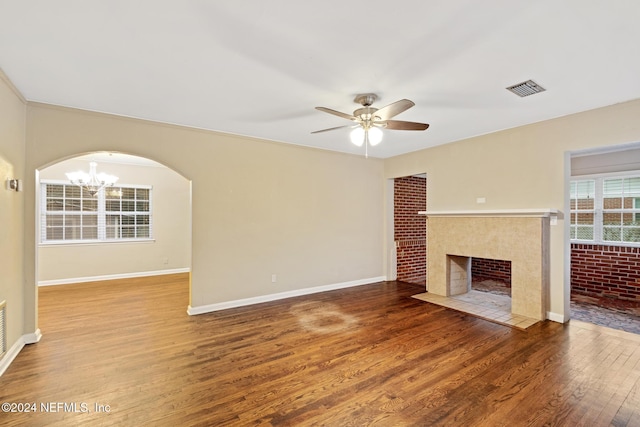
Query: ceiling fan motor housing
(365, 113)
(366, 99)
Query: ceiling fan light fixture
(375, 136)
(357, 136)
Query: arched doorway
(122, 248)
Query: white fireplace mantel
(542, 213)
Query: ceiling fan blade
(336, 113)
(337, 127)
(392, 110)
(401, 125)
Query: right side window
(620, 210)
(606, 210)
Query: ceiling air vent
(526, 88)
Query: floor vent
(3, 328)
(526, 88)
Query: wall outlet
(481, 200)
(165, 260)
(274, 278)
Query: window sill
(96, 242)
(592, 243)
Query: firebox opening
(491, 275)
(489, 298)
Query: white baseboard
(111, 277)
(556, 317)
(15, 349)
(281, 295)
(33, 338)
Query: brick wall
(602, 270)
(410, 230)
(491, 269)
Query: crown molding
(14, 89)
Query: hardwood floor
(368, 355)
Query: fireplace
(518, 236)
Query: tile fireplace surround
(520, 236)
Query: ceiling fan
(369, 120)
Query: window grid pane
(631, 234)
(612, 234)
(584, 233)
(56, 191)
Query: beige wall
(171, 230)
(525, 167)
(311, 217)
(12, 136)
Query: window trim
(101, 221)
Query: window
(71, 214)
(606, 210)
(582, 209)
(127, 213)
(620, 211)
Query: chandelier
(92, 181)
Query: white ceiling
(258, 68)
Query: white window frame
(101, 212)
(599, 211)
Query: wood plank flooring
(368, 355)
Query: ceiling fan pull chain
(366, 143)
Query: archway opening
(140, 227)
